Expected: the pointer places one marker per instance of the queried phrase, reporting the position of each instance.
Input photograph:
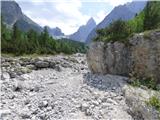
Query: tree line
(18, 42)
(120, 30)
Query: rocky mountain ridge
(55, 32)
(12, 13)
(83, 31)
(124, 12)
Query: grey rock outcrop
(112, 58)
(140, 56)
(95, 58)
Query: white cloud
(72, 11)
(118, 2)
(100, 16)
(115, 2)
(59, 13)
(65, 14)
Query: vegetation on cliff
(120, 30)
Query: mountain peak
(91, 21)
(83, 31)
(124, 12)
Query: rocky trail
(59, 87)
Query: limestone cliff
(141, 55)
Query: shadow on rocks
(105, 82)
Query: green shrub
(148, 82)
(120, 30)
(117, 31)
(154, 101)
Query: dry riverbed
(59, 87)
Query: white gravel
(72, 93)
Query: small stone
(25, 70)
(82, 68)
(84, 107)
(31, 67)
(6, 64)
(35, 88)
(58, 68)
(11, 96)
(49, 108)
(52, 64)
(5, 75)
(43, 104)
(25, 113)
(96, 103)
(17, 87)
(35, 111)
(13, 74)
(27, 101)
(111, 101)
(82, 62)
(88, 112)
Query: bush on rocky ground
(154, 101)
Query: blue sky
(68, 15)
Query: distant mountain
(55, 32)
(12, 13)
(83, 31)
(124, 12)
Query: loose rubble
(59, 87)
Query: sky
(68, 15)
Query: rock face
(141, 56)
(146, 54)
(12, 13)
(112, 58)
(96, 59)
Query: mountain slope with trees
(120, 30)
(124, 12)
(18, 42)
(12, 13)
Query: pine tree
(152, 15)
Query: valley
(63, 90)
(62, 87)
(104, 71)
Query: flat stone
(42, 64)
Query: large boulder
(140, 56)
(146, 55)
(110, 58)
(117, 58)
(96, 58)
